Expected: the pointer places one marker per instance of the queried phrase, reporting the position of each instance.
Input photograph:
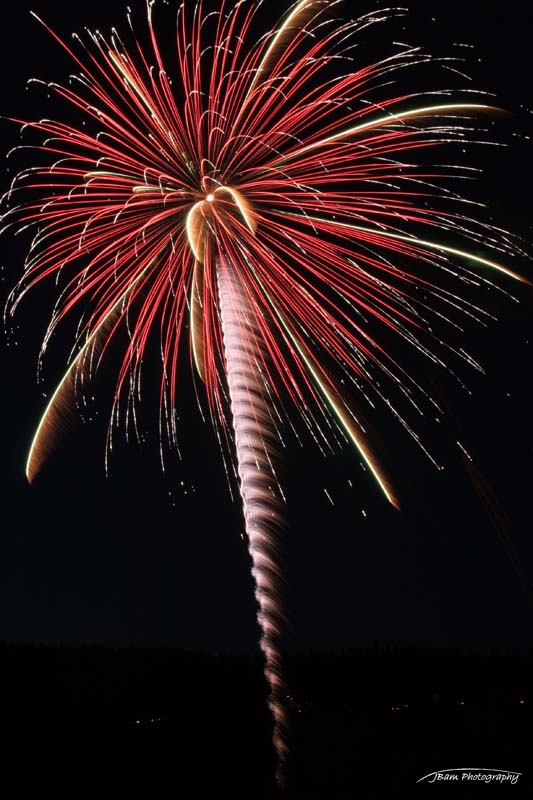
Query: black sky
(140, 557)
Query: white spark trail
(256, 449)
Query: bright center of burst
(233, 210)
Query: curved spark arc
(64, 392)
(256, 451)
(417, 242)
(335, 402)
(414, 113)
(197, 338)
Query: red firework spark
(268, 155)
(262, 154)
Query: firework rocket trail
(255, 445)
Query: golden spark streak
(197, 338)
(194, 224)
(421, 242)
(242, 204)
(387, 120)
(339, 413)
(297, 10)
(347, 425)
(36, 457)
(262, 64)
(197, 218)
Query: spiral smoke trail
(255, 444)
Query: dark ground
(366, 723)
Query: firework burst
(264, 199)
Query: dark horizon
(363, 724)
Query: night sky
(152, 558)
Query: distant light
(210, 198)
